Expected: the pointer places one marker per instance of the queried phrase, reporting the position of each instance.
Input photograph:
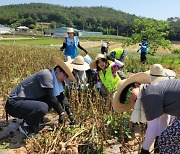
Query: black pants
(143, 57)
(30, 110)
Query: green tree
(174, 23)
(155, 31)
(53, 25)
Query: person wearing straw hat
(31, 99)
(71, 45)
(116, 53)
(158, 73)
(107, 78)
(155, 99)
(79, 69)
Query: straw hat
(66, 67)
(158, 73)
(93, 65)
(70, 30)
(139, 78)
(78, 63)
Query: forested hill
(106, 20)
(89, 18)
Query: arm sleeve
(45, 79)
(119, 63)
(80, 47)
(63, 46)
(151, 133)
(53, 101)
(113, 54)
(60, 97)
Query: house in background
(85, 33)
(62, 32)
(22, 28)
(5, 30)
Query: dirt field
(11, 138)
(89, 44)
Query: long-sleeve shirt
(38, 86)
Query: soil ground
(13, 142)
(88, 44)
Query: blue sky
(157, 9)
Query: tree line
(104, 19)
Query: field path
(93, 44)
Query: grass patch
(38, 41)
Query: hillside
(90, 18)
(104, 19)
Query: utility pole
(117, 30)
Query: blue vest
(71, 47)
(144, 47)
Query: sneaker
(25, 129)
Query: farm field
(96, 129)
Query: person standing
(144, 50)
(31, 99)
(71, 45)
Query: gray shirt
(161, 97)
(32, 87)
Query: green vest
(118, 51)
(109, 81)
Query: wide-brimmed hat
(93, 65)
(158, 73)
(78, 63)
(68, 68)
(136, 78)
(70, 30)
